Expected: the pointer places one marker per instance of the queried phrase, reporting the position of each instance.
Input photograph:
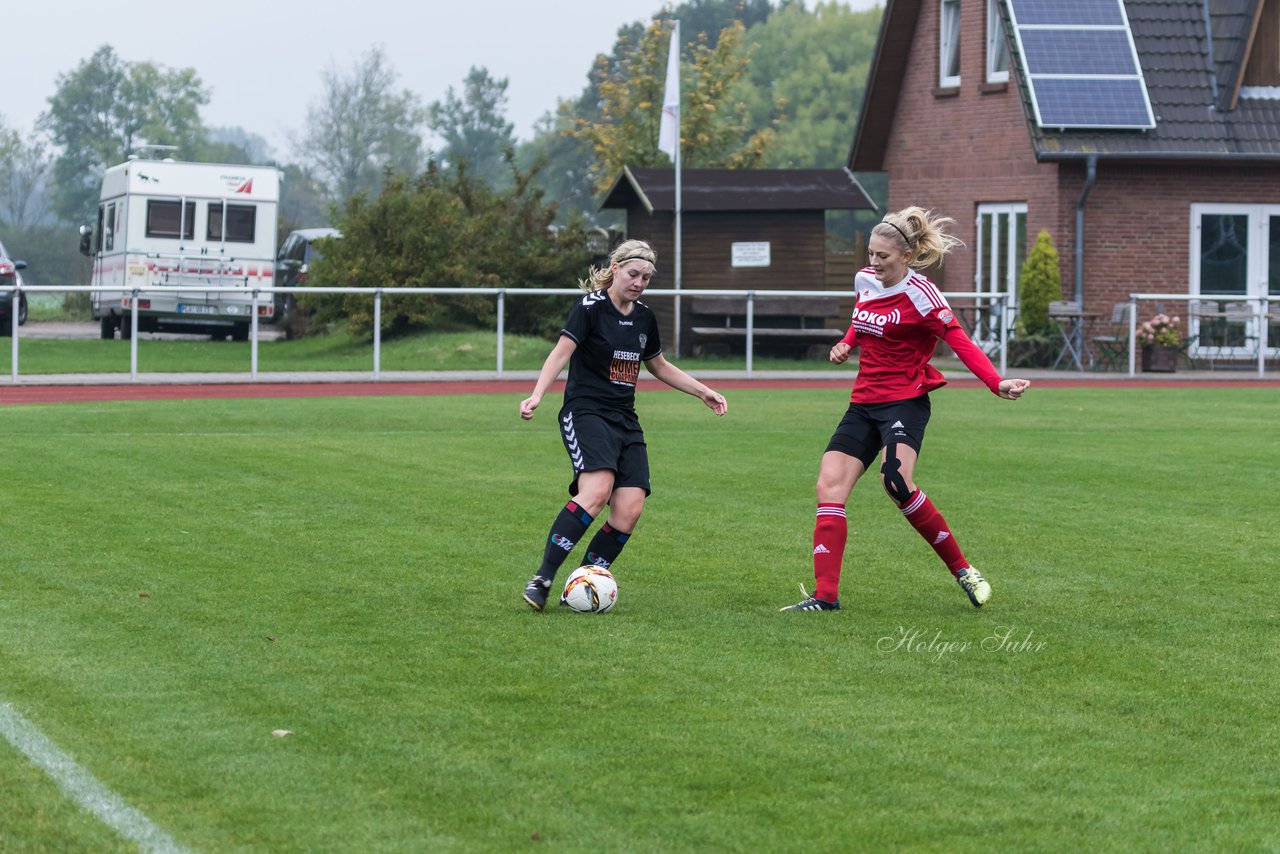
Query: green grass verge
(184, 577)
(51, 307)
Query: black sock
(567, 529)
(605, 546)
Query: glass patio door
(1272, 342)
(1001, 249)
(1236, 254)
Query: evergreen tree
(234, 145)
(561, 163)
(303, 203)
(474, 128)
(709, 17)
(1039, 283)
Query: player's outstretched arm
(680, 381)
(551, 368)
(980, 365)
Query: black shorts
(599, 441)
(868, 427)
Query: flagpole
(669, 142)
(678, 253)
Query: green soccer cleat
(973, 584)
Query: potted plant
(1161, 342)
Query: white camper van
(163, 223)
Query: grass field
(183, 578)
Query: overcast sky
(263, 60)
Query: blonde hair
(628, 250)
(921, 232)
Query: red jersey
(898, 328)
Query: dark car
(297, 252)
(9, 276)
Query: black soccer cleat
(812, 603)
(536, 591)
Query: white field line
(81, 786)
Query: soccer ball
(590, 590)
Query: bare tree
(362, 128)
(23, 166)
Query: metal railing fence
(1263, 317)
(985, 307)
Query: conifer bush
(1036, 338)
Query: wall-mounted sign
(750, 254)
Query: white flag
(669, 129)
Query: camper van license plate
(197, 309)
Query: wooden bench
(781, 325)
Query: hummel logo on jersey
(942, 535)
(820, 549)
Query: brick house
(957, 115)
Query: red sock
(829, 535)
(926, 519)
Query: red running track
(210, 391)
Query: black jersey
(606, 364)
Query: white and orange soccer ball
(590, 590)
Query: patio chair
(1238, 317)
(1069, 317)
(1210, 336)
(1272, 341)
(1111, 349)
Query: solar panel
(1069, 12)
(1080, 64)
(1085, 102)
(1068, 51)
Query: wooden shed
(741, 229)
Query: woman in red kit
(897, 319)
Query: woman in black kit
(608, 334)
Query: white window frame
(986, 334)
(997, 45)
(948, 43)
(1256, 268)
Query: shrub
(1040, 283)
(445, 230)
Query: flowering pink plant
(1161, 329)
